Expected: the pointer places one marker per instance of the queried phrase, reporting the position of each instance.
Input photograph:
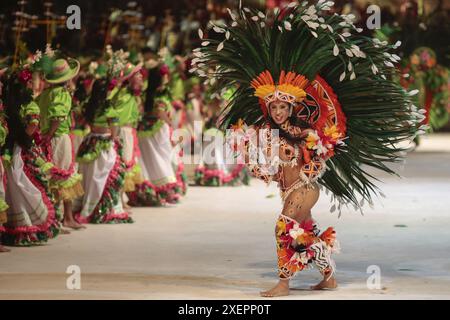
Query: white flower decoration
(296, 231)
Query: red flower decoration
(164, 70)
(87, 82)
(112, 84)
(144, 73)
(25, 76)
(307, 225)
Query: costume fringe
(133, 178)
(72, 191)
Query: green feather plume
(309, 40)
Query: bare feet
(280, 290)
(3, 249)
(64, 231)
(73, 225)
(172, 201)
(330, 283)
(126, 206)
(69, 220)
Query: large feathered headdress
(337, 79)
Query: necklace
(292, 130)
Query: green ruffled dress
(55, 103)
(32, 213)
(100, 161)
(126, 105)
(161, 184)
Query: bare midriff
(299, 196)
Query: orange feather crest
(290, 87)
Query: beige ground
(218, 243)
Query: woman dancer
(55, 104)
(99, 159)
(127, 102)
(155, 144)
(291, 67)
(31, 214)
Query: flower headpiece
(43, 61)
(25, 75)
(116, 61)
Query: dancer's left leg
(69, 220)
(299, 243)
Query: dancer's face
(197, 89)
(38, 83)
(279, 111)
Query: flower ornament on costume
(49, 52)
(43, 61)
(93, 66)
(164, 70)
(112, 84)
(25, 75)
(296, 231)
(323, 143)
(35, 57)
(113, 69)
(116, 61)
(299, 244)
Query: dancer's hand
(306, 132)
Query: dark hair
(16, 94)
(80, 92)
(154, 82)
(98, 102)
(146, 50)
